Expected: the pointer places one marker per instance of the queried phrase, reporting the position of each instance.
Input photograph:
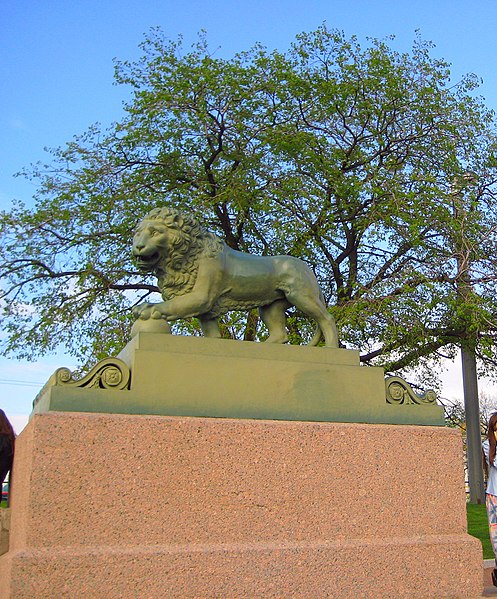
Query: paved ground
(489, 590)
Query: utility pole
(473, 432)
(468, 351)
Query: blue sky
(56, 72)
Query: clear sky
(56, 74)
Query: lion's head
(169, 244)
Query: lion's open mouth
(146, 262)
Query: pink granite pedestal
(155, 506)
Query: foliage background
(53, 94)
(368, 163)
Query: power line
(20, 383)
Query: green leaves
(342, 154)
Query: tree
(455, 416)
(335, 153)
(468, 347)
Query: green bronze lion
(199, 275)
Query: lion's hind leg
(274, 317)
(315, 308)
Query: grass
(478, 527)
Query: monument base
(157, 506)
(174, 375)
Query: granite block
(156, 506)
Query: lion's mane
(188, 241)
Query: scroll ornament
(110, 373)
(398, 391)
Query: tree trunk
(468, 345)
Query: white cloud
(18, 421)
(18, 124)
(452, 383)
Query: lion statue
(199, 275)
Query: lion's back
(250, 281)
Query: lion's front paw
(143, 311)
(146, 311)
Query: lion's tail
(318, 333)
(316, 338)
